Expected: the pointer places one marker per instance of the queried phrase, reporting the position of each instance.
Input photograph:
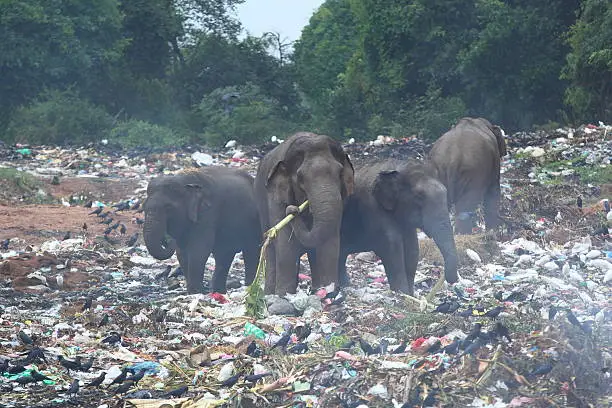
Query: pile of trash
(88, 322)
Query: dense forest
(165, 72)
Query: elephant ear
(386, 189)
(501, 143)
(278, 183)
(198, 197)
(348, 177)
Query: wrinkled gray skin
(467, 160)
(207, 210)
(391, 200)
(305, 166)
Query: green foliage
(59, 117)
(589, 64)
(242, 113)
(136, 133)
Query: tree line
(164, 72)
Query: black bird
(502, 331)
(542, 369)
(448, 307)
(474, 332)
(104, 215)
(231, 381)
(97, 211)
(252, 350)
(299, 348)
(122, 230)
(73, 365)
(120, 378)
(176, 392)
(107, 221)
(516, 296)
(135, 206)
(105, 319)
(115, 226)
(366, 347)
(35, 354)
(108, 230)
(283, 341)
(473, 347)
(16, 369)
(552, 312)
(348, 345)
(255, 377)
(4, 366)
(132, 240)
(25, 338)
(139, 221)
(124, 387)
(66, 236)
(74, 388)
(434, 348)
(401, 348)
(98, 380)
(5, 244)
(38, 376)
(113, 338)
(87, 304)
(574, 320)
(579, 202)
(125, 205)
(84, 226)
(138, 376)
(302, 332)
(493, 313)
(87, 365)
(466, 313)
(382, 347)
(88, 204)
(451, 348)
(23, 380)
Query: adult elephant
(467, 160)
(391, 200)
(311, 167)
(202, 211)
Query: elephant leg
(411, 257)
(286, 265)
(491, 206)
(270, 284)
(196, 262)
(392, 254)
(464, 213)
(251, 261)
(326, 263)
(223, 262)
(182, 258)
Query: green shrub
(133, 133)
(247, 117)
(59, 117)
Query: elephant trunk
(442, 234)
(326, 208)
(154, 230)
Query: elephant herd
(374, 207)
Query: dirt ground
(36, 223)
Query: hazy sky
(287, 17)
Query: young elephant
(204, 210)
(310, 167)
(391, 200)
(467, 159)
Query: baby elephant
(202, 211)
(390, 201)
(467, 159)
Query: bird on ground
(97, 211)
(120, 378)
(98, 380)
(87, 365)
(124, 387)
(231, 381)
(132, 240)
(25, 338)
(137, 377)
(122, 230)
(74, 388)
(448, 307)
(5, 244)
(87, 304)
(66, 236)
(493, 313)
(73, 365)
(255, 377)
(113, 338)
(542, 369)
(105, 319)
(38, 376)
(283, 341)
(451, 348)
(107, 221)
(177, 392)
